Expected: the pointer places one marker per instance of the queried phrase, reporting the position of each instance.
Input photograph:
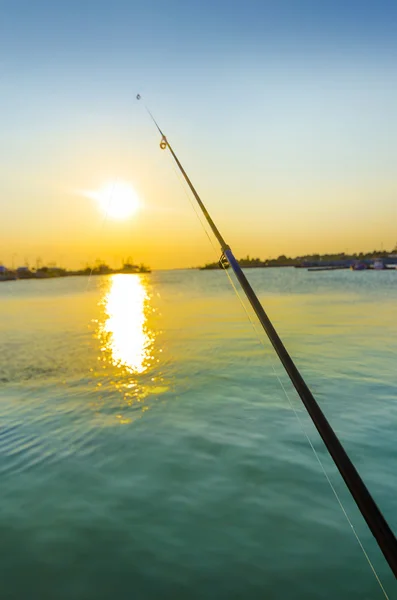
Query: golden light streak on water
(124, 332)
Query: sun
(117, 200)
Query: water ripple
(170, 464)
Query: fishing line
(306, 435)
(265, 347)
(303, 429)
(374, 518)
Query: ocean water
(152, 447)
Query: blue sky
(284, 114)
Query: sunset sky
(284, 114)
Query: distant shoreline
(336, 261)
(378, 259)
(57, 272)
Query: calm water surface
(148, 450)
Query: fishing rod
(374, 518)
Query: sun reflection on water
(124, 332)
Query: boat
(379, 265)
(24, 273)
(326, 268)
(358, 266)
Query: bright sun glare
(117, 200)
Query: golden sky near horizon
(293, 150)
(55, 213)
(165, 232)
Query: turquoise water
(148, 450)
